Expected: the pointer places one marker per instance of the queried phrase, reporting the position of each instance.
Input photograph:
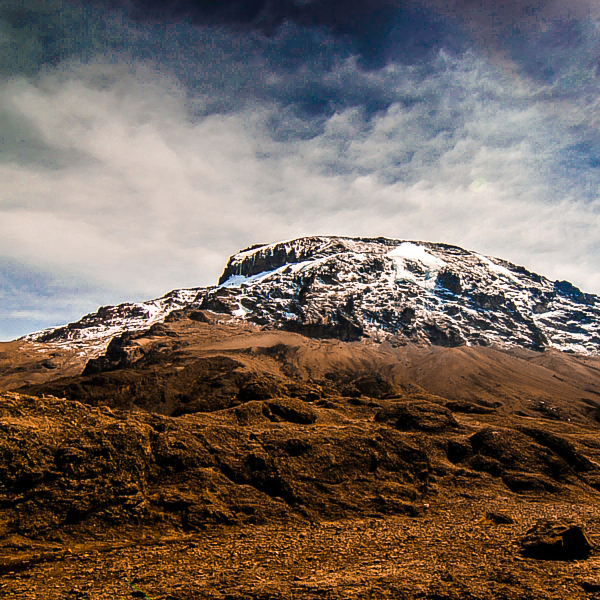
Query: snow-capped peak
(376, 288)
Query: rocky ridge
(95, 330)
(377, 289)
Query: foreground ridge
(374, 288)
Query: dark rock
(556, 540)
(120, 354)
(443, 335)
(520, 482)
(487, 301)
(373, 386)
(462, 406)
(418, 416)
(293, 411)
(524, 465)
(218, 305)
(590, 586)
(199, 316)
(449, 281)
(565, 288)
(260, 387)
(306, 392)
(408, 315)
(500, 518)
(564, 448)
(458, 450)
(262, 260)
(337, 326)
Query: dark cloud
(528, 33)
(358, 16)
(532, 35)
(44, 32)
(490, 18)
(373, 21)
(374, 28)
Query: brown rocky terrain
(208, 459)
(23, 362)
(197, 361)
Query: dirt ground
(452, 551)
(198, 461)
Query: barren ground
(202, 460)
(452, 551)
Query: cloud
(129, 171)
(405, 29)
(156, 199)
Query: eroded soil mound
(89, 495)
(205, 460)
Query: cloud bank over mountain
(144, 142)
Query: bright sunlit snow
(414, 252)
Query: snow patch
(409, 251)
(496, 268)
(238, 280)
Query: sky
(142, 142)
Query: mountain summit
(326, 392)
(374, 288)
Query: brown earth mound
(93, 486)
(203, 460)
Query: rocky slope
(189, 365)
(341, 418)
(357, 288)
(342, 497)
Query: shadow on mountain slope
(186, 366)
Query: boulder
(556, 540)
(419, 416)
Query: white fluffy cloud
(144, 196)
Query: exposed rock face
(434, 293)
(375, 288)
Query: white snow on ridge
(492, 266)
(238, 280)
(117, 320)
(410, 251)
(383, 287)
(417, 253)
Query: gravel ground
(452, 551)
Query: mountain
(338, 417)
(376, 289)
(332, 317)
